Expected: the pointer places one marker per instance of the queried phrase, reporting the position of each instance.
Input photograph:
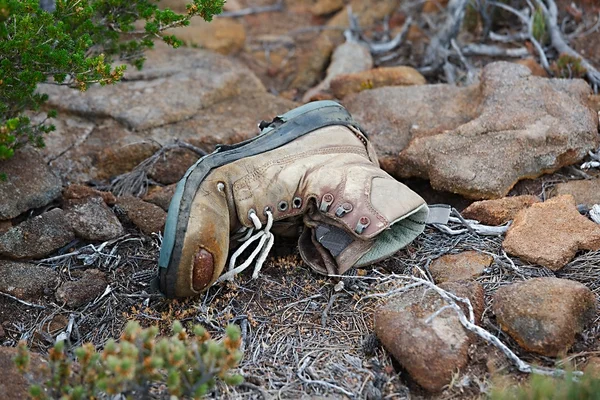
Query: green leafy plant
(569, 67)
(74, 45)
(189, 365)
(539, 29)
(540, 387)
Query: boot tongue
(333, 239)
(329, 249)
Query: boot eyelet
(343, 209)
(282, 206)
(266, 210)
(297, 202)
(326, 202)
(362, 224)
(220, 186)
(250, 212)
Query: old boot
(311, 172)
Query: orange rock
(500, 211)
(82, 192)
(544, 314)
(430, 350)
(326, 7)
(458, 267)
(551, 233)
(344, 85)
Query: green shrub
(540, 387)
(188, 365)
(568, 67)
(75, 46)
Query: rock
(123, 156)
(432, 6)
(544, 314)
(174, 85)
(13, 384)
(535, 68)
(5, 226)
(586, 191)
(344, 85)
(106, 150)
(550, 233)
(454, 136)
(161, 196)
(26, 281)
(223, 35)
(92, 220)
(468, 290)
(77, 293)
(595, 102)
(183, 94)
(176, 5)
(313, 61)
(37, 237)
(430, 352)
(499, 211)
(326, 7)
(82, 192)
(170, 168)
(458, 267)
(29, 183)
(148, 217)
(347, 58)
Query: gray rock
(37, 237)
(544, 314)
(92, 220)
(26, 281)
(173, 86)
(430, 351)
(186, 94)
(90, 285)
(29, 184)
(478, 141)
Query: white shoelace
(266, 240)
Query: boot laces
(266, 240)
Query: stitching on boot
(380, 217)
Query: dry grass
(301, 337)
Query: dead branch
(527, 20)
(551, 14)
(494, 51)
(252, 10)
(10, 296)
(438, 49)
(135, 182)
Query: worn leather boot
(311, 172)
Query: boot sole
(283, 129)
